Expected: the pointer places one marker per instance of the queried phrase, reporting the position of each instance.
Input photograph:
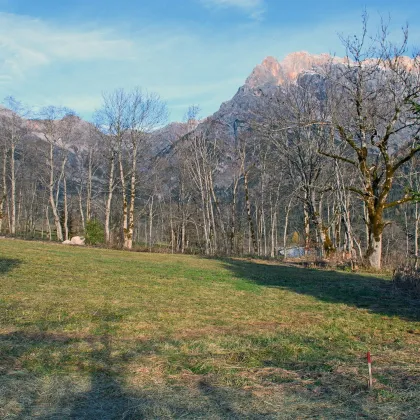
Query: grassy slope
(89, 333)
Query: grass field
(102, 334)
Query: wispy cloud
(43, 63)
(253, 8)
(27, 44)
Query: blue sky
(189, 51)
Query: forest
(324, 165)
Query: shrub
(94, 232)
(407, 278)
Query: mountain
(273, 72)
(251, 101)
(81, 133)
(263, 86)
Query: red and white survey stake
(369, 360)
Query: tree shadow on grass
(8, 264)
(63, 376)
(61, 384)
(362, 291)
(106, 395)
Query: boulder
(67, 242)
(77, 240)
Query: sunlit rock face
(273, 72)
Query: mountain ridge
(262, 84)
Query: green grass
(97, 334)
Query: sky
(190, 52)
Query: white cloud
(254, 8)
(27, 44)
(42, 63)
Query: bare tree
(202, 155)
(128, 118)
(56, 126)
(14, 128)
(373, 112)
(296, 125)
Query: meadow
(91, 333)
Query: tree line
(328, 166)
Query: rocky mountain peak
(271, 64)
(271, 71)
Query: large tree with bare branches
(374, 98)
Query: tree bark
(66, 211)
(47, 219)
(151, 224)
(416, 235)
(82, 216)
(233, 216)
(124, 199)
(4, 187)
(53, 205)
(12, 189)
(306, 228)
(109, 198)
(128, 233)
(249, 215)
(286, 224)
(374, 253)
(89, 188)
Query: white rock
(77, 240)
(67, 242)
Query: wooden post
(370, 381)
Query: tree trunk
(124, 199)
(66, 211)
(273, 221)
(219, 213)
(4, 192)
(322, 235)
(12, 190)
(416, 235)
(151, 224)
(128, 233)
(89, 189)
(306, 229)
(171, 222)
(51, 199)
(407, 234)
(323, 245)
(374, 254)
(82, 216)
(47, 219)
(366, 216)
(233, 216)
(212, 218)
(181, 204)
(183, 232)
(109, 199)
(19, 209)
(249, 215)
(286, 224)
(206, 226)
